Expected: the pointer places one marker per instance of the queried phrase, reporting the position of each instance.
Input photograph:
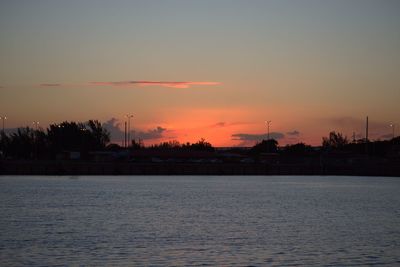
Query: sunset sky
(204, 69)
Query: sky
(205, 69)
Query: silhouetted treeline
(336, 142)
(174, 145)
(265, 146)
(28, 143)
(333, 143)
(298, 149)
(201, 145)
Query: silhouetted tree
(334, 141)
(202, 145)
(170, 145)
(4, 142)
(21, 145)
(114, 147)
(265, 146)
(41, 144)
(137, 145)
(72, 136)
(99, 134)
(67, 136)
(297, 149)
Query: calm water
(207, 220)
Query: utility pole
(393, 126)
(128, 116)
(268, 123)
(366, 137)
(125, 136)
(366, 131)
(268, 145)
(36, 123)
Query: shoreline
(129, 168)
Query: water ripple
(199, 221)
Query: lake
(199, 220)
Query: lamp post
(393, 126)
(125, 134)
(3, 118)
(36, 123)
(129, 116)
(268, 123)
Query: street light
(393, 126)
(3, 118)
(36, 123)
(129, 116)
(268, 123)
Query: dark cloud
(154, 83)
(293, 133)
(257, 137)
(50, 84)
(114, 126)
(150, 134)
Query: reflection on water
(170, 220)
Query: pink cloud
(154, 83)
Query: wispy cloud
(50, 84)
(154, 83)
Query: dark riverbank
(128, 168)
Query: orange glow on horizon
(218, 125)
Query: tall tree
(100, 135)
(334, 141)
(265, 146)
